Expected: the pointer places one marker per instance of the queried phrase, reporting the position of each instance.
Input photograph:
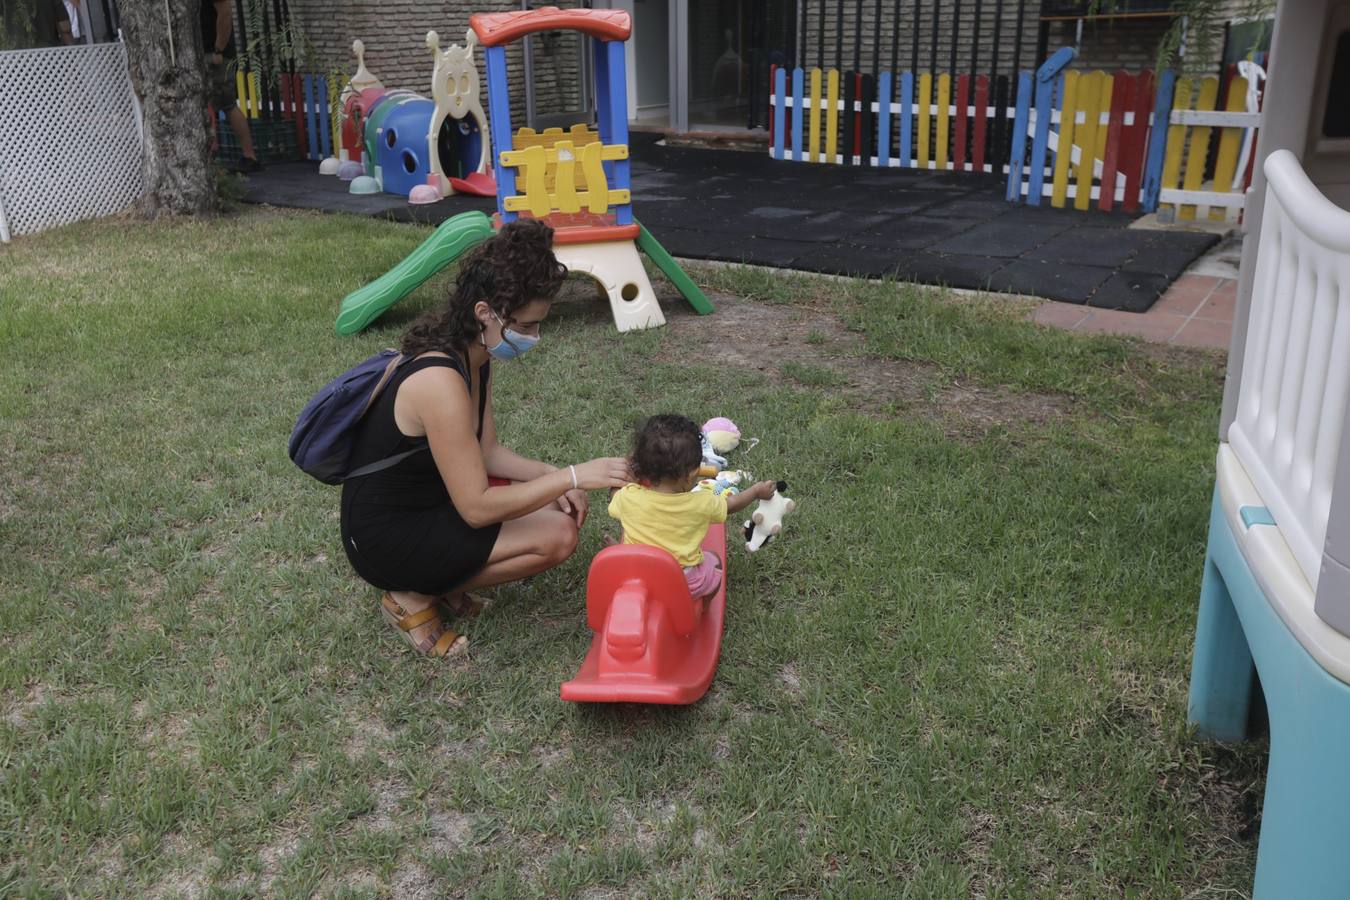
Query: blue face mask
(513, 344)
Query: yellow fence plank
(1176, 137)
(1086, 135)
(813, 136)
(944, 93)
(562, 176)
(925, 116)
(1060, 189)
(576, 135)
(1197, 155)
(831, 115)
(1230, 141)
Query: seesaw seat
(653, 643)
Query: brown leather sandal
(446, 643)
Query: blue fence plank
(1044, 112)
(1018, 150)
(884, 120)
(325, 120)
(1047, 76)
(1157, 140)
(798, 112)
(779, 111)
(906, 117)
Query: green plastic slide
(451, 238)
(667, 264)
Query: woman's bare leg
(526, 546)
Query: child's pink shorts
(705, 578)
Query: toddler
(662, 509)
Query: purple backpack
(321, 443)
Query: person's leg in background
(221, 88)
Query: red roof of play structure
(503, 28)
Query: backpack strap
(429, 362)
(389, 371)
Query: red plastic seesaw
(653, 643)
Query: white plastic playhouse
(1275, 601)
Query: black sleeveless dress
(399, 527)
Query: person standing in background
(218, 43)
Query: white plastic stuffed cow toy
(767, 520)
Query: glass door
(731, 45)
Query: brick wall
(1111, 44)
(394, 34)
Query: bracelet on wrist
(573, 470)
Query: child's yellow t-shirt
(674, 522)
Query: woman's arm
(502, 462)
(438, 405)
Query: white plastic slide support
(1291, 406)
(618, 270)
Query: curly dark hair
(508, 270)
(666, 447)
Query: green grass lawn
(961, 671)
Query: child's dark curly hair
(508, 270)
(666, 447)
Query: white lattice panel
(1296, 375)
(70, 136)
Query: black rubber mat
(946, 228)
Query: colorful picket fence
(309, 103)
(1114, 158)
(912, 121)
(1206, 165)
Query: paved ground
(1196, 311)
(926, 226)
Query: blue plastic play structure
(1275, 598)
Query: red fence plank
(962, 96)
(1133, 140)
(981, 115)
(1122, 98)
(298, 94)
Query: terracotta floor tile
(1178, 302)
(1152, 326)
(1196, 283)
(1218, 307)
(1205, 333)
(1060, 315)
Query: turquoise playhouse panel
(1304, 849)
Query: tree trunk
(164, 48)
